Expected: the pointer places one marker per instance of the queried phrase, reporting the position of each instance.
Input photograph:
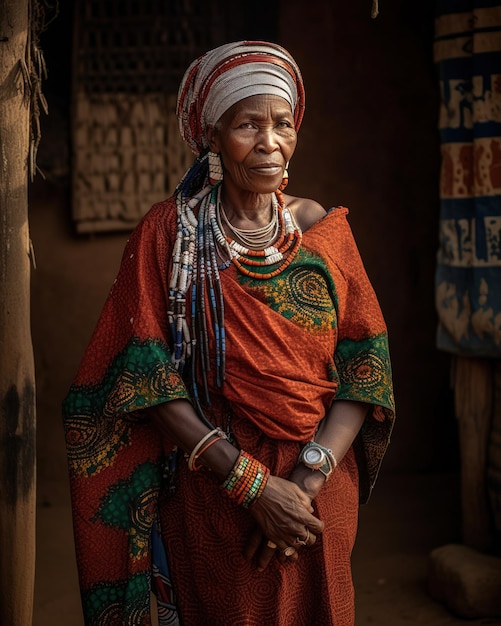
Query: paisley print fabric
(295, 344)
(139, 376)
(301, 294)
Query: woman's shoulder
(308, 212)
(157, 226)
(162, 210)
(162, 215)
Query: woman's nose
(267, 140)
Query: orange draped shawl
(295, 344)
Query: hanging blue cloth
(467, 52)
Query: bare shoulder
(307, 212)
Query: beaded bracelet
(200, 448)
(246, 481)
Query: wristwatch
(316, 457)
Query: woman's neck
(247, 209)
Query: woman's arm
(178, 421)
(283, 510)
(337, 432)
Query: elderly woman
(235, 400)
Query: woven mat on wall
(129, 58)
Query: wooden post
(17, 381)
(473, 393)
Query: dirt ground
(407, 516)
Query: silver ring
(303, 542)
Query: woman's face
(256, 139)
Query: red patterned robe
(295, 344)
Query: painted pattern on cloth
(139, 376)
(280, 341)
(468, 276)
(116, 481)
(302, 293)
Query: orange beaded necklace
(278, 255)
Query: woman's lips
(270, 170)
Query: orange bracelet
(218, 437)
(246, 481)
(195, 453)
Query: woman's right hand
(284, 514)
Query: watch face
(314, 456)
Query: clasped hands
(285, 519)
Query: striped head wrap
(223, 76)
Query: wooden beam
(17, 382)
(473, 392)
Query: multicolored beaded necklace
(195, 267)
(282, 252)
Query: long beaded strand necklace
(195, 268)
(184, 269)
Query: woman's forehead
(258, 105)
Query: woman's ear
(213, 137)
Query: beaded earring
(285, 177)
(215, 168)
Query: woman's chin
(265, 184)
